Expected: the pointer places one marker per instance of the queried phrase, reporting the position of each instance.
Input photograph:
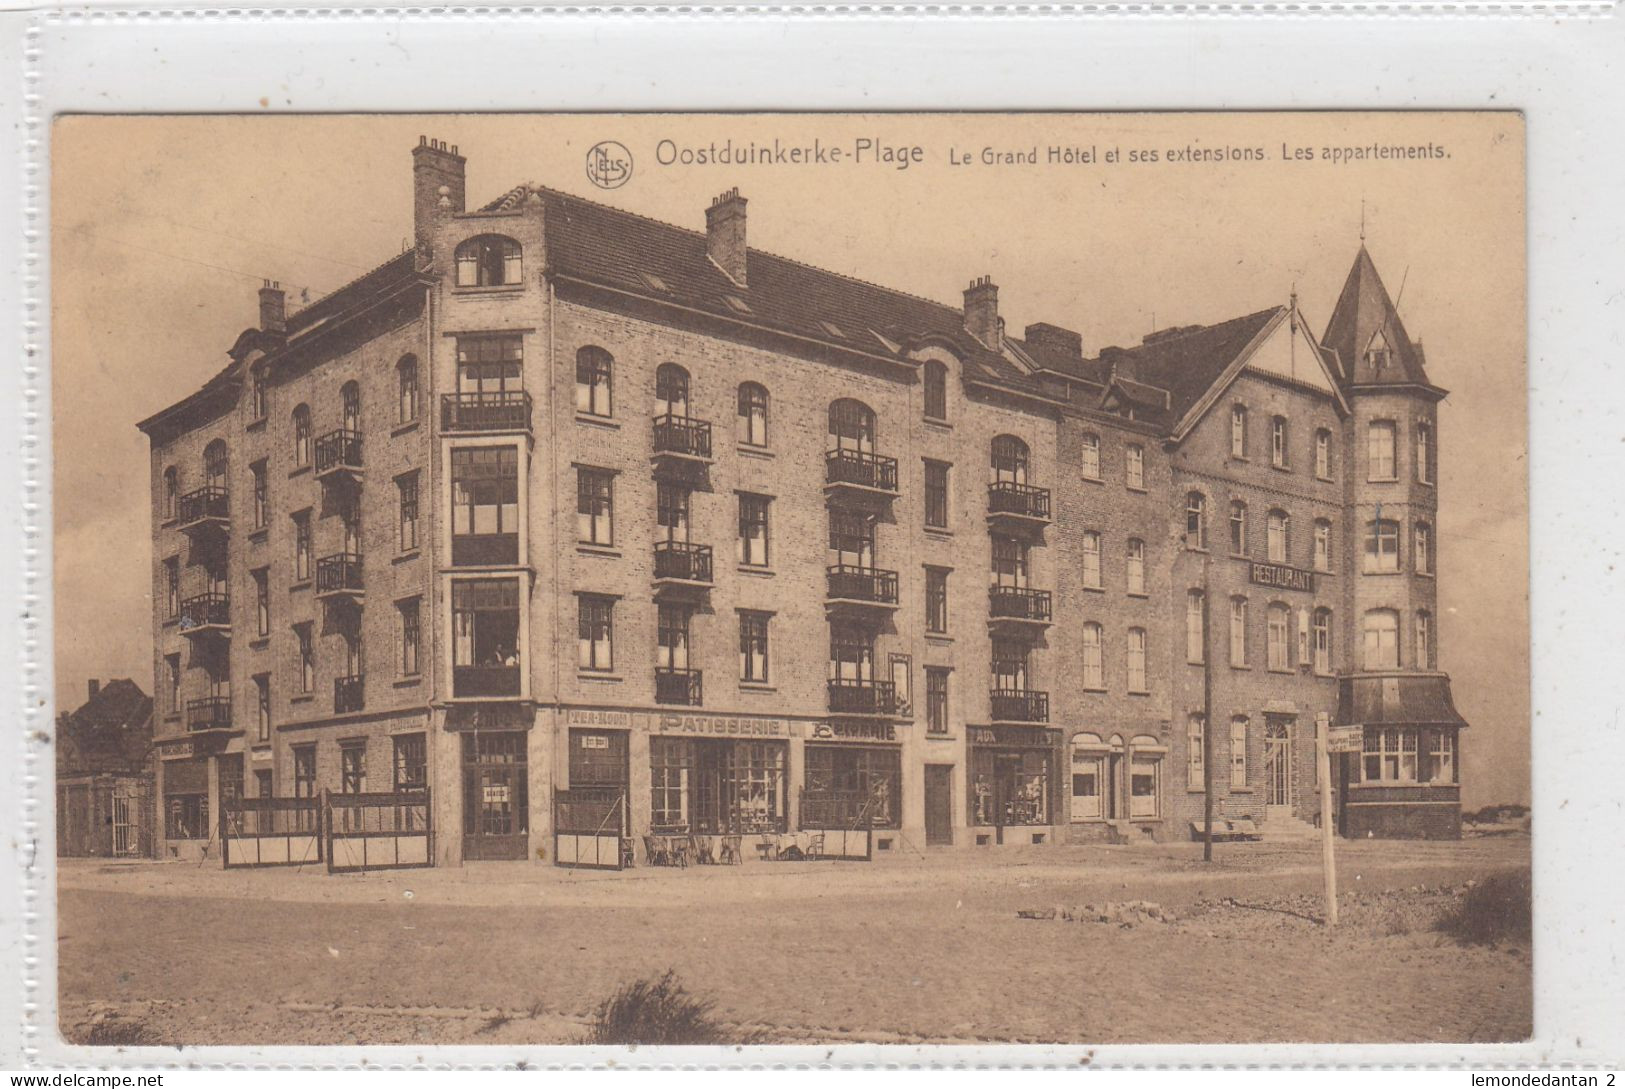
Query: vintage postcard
(791, 578)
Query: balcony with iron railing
(1018, 606)
(349, 694)
(854, 473)
(206, 615)
(208, 713)
(338, 453)
(679, 686)
(862, 698)
(485, 682)
(681, 564)
(1018, 705)
(680, 439)
(1017, 504)
(500, 410)
(860, 587)
(206, 509)
(339, 575)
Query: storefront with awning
(1405, 783)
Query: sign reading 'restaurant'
(1282, 576)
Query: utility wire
(252, 241)
(88, 233)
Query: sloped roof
(1365, 315)
(1187, 362)
(111, 731)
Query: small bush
(657, 1012)
(1498, 908)
(113, 1032)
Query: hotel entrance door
(1278, 785)
(496, 798)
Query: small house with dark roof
(104, 799)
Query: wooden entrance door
(939, 804)
(496, 797)
(1278, 786)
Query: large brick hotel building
(566, 503)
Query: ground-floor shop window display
(1409, 755)
(710, 787)
(851, 786)
(186, 799)
(1099, 790)
(1010, 786)
(495, 795)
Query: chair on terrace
(733, 850)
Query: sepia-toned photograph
(561, 579)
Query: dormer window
(490, 260)
(1378, 355)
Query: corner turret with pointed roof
(1372, 346)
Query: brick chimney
(1056, 339)
(435, 166)
(725, 235)
(95, 687)
(273, 308)
(982, 312)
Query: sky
(164, 227)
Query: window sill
(1248, 668)
(409, 682)
(943, 735)
(260, 643)
(1140, 594)
(757, 686)
(608, 552)
(305, 585)
(937, 422)
(940, 532)
(1382, 480)
(168, 523)
(173, 716)
(1088, 688)
(1141, 491)
(1283, 672)
(409, 555)
(1242, 790)
(1379, 573)
(490, 289)
(1139, 692)
(747, 450)
(1201, 551)
(171, 621)
(758, 572)
(1325, 479)
(940, 639)
(598, 678)
(299, 471)
(403, 428)
(608, 423)
(256, 425)
(1281, 468)
(1423, 574)
(1093, 480)
(1243, 458)
(1094, 589)
(260, 535)
(303, 697)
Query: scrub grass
(115, 1032)
(1497, 909)
(660, 1011)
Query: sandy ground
(916, 948)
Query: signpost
(1338, 739)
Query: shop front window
(1010, 787)
(852, 787)
(713, 787)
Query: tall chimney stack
(725, 235)
(273, 308)
(435, 166)
(982, 313)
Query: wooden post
(1322, 732)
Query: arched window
(1422, 544)
(1278, 635)
(172, 493)
(215, 463)
(488, 260)
(1091, 456)
(1381, 639)
(671, 390)
(1323, 454)
(1135, 566)
(936, 390)
(406, 380)
(752, 414)
(301, 436)
(1278, 442)
(258, 395)
(1322, 627)
(1424, 639)
(350, 397)
(852, 425)
(1382, 545)
(1196, 520)
(1279, 547)
(1091, 561)
(1238, 753)
(595, 369)
(1088, 777)
(1010, 460)
(1238, 528)
(1196, 752)
(1094, 667)
(1238, 431)
(1323, 545)
(1195, 623)
(1136, 660)
(1238, 631)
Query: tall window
(262, 707)
(1278, 631)
(672, 635)
(1238, 528)
(306, 665)
(406, 381)
(1323, 641)
(752, 414)
(1382, 545)
(1134, 466)
(1091, 456)
(301, 436)
(1238, 753)
(1380, 436)
(1195, 621)
(671, 390)
(262, 503)
(215, 463)
(352, 767)
(489, 260)
(595, 369)
(1196, 752)
(1195, 520)
(1422, 541)
(1238, 631)
(406, 487)
(1389, 756)
(1238, 431)
(1323, 545)
(172, 586)
(490, 368)
(753, 529)
(936, 494)
(301, 546)
(1135, 566)
(1010, 562)
(262, 602)
(304, 771)
(350, 405)
(1382, 639)
(1278, 442)
(852, 425)
(1010, 660)
(1424, 453)
(595, 506)
(259, 401)
(936, 599)
(936, 390)
(595, 633)
(1010, 460)
(1323, 454)
(1094, 668)
(172, 493)
(1424, 639)
(1441, 754)
(936, 700)
(484, 505)
(1091, 560)
(485, 637)
(1136, 661)
(411, 763)
(1276, 538)
(753, 647)
(411, 614)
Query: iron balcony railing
(849, 583)
(338, 450)
(682, 435)
(850, 696)
(349, 694)
(208, 713)
(501, 410)
(1018, 603)
(1019, 705)
(339, 574)
(484, 682)
(1022, 500)
(212, 610)
(679, 686)
(211, 503)
(860, 468)
(681, 560)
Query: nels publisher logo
(609, 165)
